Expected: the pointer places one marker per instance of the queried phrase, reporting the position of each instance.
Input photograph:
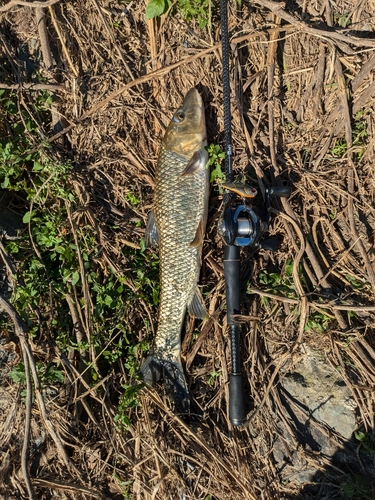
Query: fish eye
(179, 116)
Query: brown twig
(55, 484)
(143, 79)
(22, 3)
(349, 140)
(40, 17)
(276, 8)
(86, 292)
(33, 86)
(241, 482)
(21, 332)
(113, 39)
(62, 41)
(197, 345)
(315, 305)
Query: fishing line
(226, 91)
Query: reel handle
(280, 192)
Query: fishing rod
(240, 224)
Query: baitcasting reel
(244, 225)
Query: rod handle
(280, 192)
(232, 280)
(237, 413)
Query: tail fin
(175, 383)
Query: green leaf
(360, 436)
(17, 374)
(37, 166)
(75, 278)
(155, 8)
(53, 374)
(5, 184)
(27, 217)
(155, 296)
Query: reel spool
(244, 225)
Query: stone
(321, 389)
(314, 391)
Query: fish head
(186, 132)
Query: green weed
(342, 20)
(116, 24)
(47, 374)
(132, 198)
(52, 264)
(128, 400)
(340, 148)
(215, 160)
(199, 9)
(125, 486)
(277, 282)
(357, 489)
(213, 376)
(283, 283)
(359, 137)
(358, 285)
(367, 441)
(333, 214)
(318, 322)
(189, 9)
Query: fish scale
(177, 224)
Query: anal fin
(196, 307)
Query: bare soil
(303, 97)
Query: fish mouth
(186, 132)
(193, 98)
(194, 108)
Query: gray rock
(321, 389)
(314, 393)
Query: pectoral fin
(196, 307)
(193, 164)
(151, 236)
(199, 235)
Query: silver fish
(177, 223)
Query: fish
(177, 225)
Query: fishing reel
(244, 225)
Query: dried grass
(293, 94)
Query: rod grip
(232, 281)
(237, 413)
